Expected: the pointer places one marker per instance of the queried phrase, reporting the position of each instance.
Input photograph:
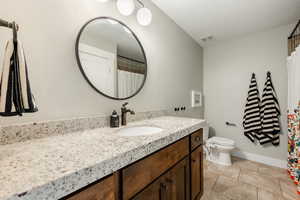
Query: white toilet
(218, 149)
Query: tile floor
(247, 180)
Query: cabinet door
(158, 190)
(104, 190)
(197, 174)
(179, 181)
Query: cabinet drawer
(140, 174)
(197, 139)
(104, 190)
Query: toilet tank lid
(221, 141)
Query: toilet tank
(205, 132)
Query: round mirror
(111, 58)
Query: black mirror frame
(81, 68)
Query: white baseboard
(261, 159)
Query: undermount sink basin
(139, 131)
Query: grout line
(215, 183)
(238, 178)
(280, 187)
(281, 190)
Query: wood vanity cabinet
(197, 173)
(172, 173)
(140, 174)
(179, 181)
(196, 163)
(196, 139)
(155, 191)
(103, 190)
(173, 185)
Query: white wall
(227, 72)
(49, 29)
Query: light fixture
(144, 16)
(125, 7)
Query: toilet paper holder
(230, 124)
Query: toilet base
(221, 158)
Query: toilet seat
(221, 141)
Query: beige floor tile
(230, 189)
(205, 165)
(261, 181)
(230, 172)
(247, 180)
(289, 190)
(205, 196)
(210, 180)
(246, 164)
(265, 195)
(273, 172)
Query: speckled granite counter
(53, 167)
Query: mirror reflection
(111, 58)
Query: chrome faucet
(124, 112)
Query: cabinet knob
(198, 138)
(193, 160)
(163, 185)
(169, 180)
(162, 191)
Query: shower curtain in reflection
(128, 83)
(293, 68)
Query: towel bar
(7, 24)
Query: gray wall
(227, 72)
(49, 29)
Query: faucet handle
(125, 104)
(132, 112)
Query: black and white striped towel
(15, 93)
(270, 113)
(252, 120)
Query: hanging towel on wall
(15, 93)
(270, 113)
(252, 120)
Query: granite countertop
(53, 167)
